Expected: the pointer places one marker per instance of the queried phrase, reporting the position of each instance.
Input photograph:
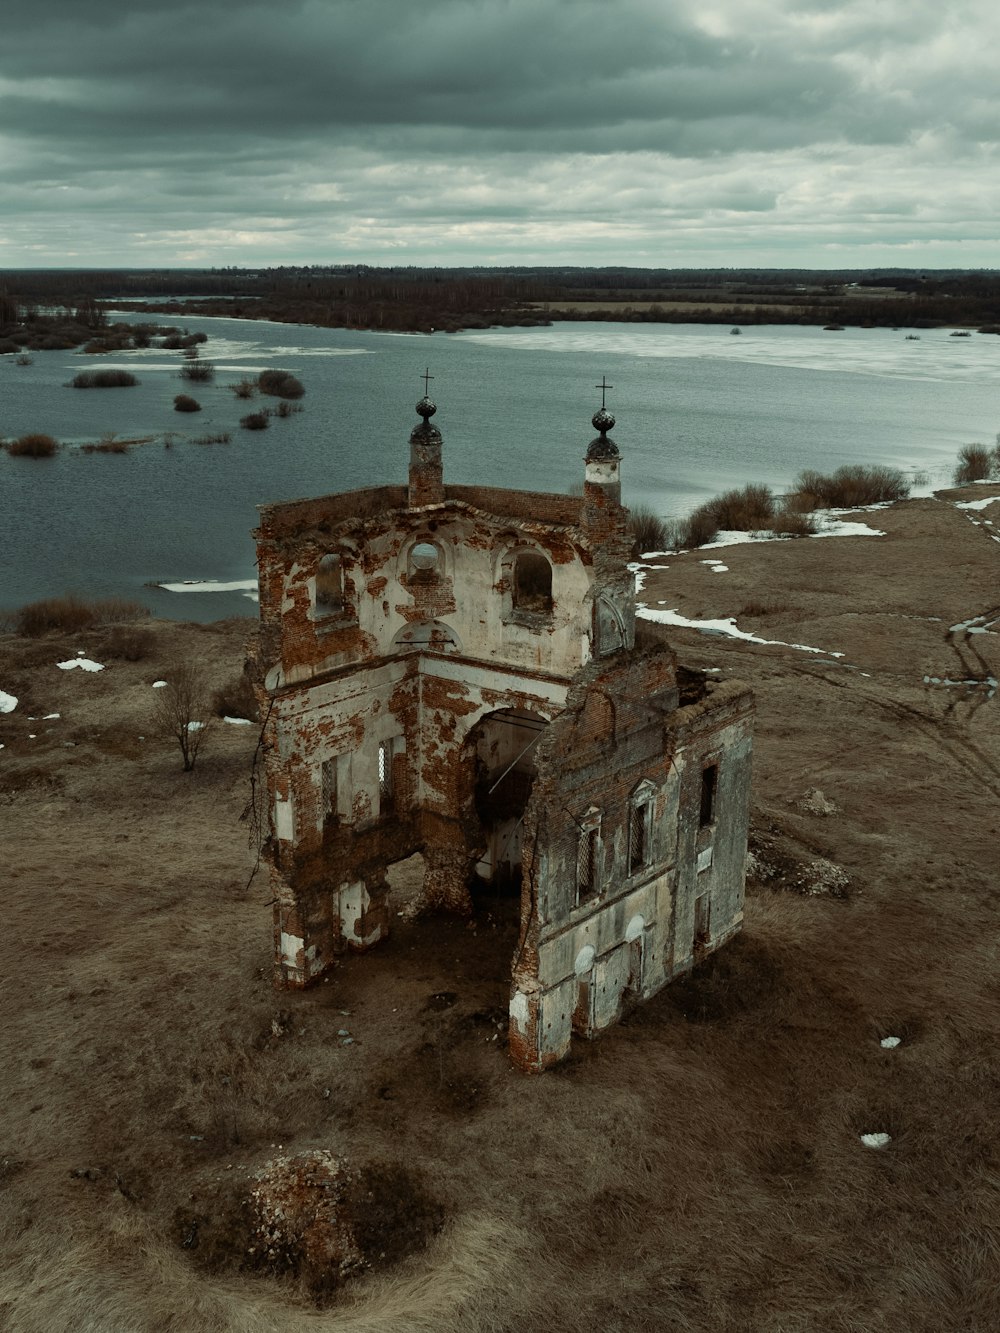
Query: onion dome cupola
(426, 473)
(603, 458)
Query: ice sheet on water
(209, 585)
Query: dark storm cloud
(228, 129)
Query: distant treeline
(422, 299)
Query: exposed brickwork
(427, 697)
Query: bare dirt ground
(699, 1167)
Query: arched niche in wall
(525, 574)
(426, 636)
(331, 591)
(609, 627)
(424, 560)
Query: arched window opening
(587, 875)
(532, 583)
(330, 586)
(424, 563)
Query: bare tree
(182, 711)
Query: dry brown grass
(71, 612)
(699, 1168)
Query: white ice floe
(210, 585)
(876, 1140)
(239, 721)
(890, 1043)
(8, 702)
(84, 663)
(727, 627)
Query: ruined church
(457, 671)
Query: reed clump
(103, 379)
(34, 445)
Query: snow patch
(84, 663)
(977, 504)
(238, 721)
(8, 702)
(876, 1140)
(159, 685)
(727, 627)
(890, 1043)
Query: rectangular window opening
(638, 838)
(329, 791)
(709, 785)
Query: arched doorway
(502, 747)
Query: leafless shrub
(33, 446)
(184, 403)
(103, 379)
(107, 444)
(790, 523)
(976, 463)
(851, 486)
(255, 421)
(181, 711)
(286, 409)
(24, 359)
(647, 529)
(130, 643)
(199, 372)
(243, 388)
(236, 699)
(220, 437)
(280, 384)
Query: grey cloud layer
(292, 132)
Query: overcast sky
(646, 132)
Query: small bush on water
(280, 384)
(255, 421)
(184, 403)
(107, 444)
(33, 446)
(286, 409)
(221, 437)
(199, 372)
(243, 388)
(103, 379)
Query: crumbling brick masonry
(456, 671)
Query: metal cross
(603, 386)
(426, 377)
